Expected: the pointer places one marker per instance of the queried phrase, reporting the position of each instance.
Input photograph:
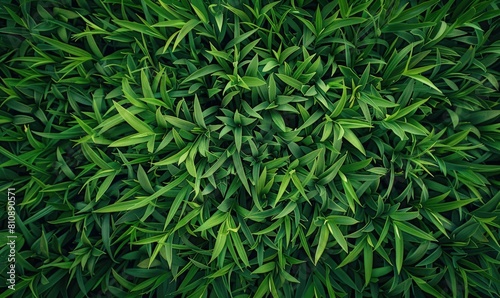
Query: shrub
(252, 148)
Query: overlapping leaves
(285, 149)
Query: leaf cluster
(252, 148)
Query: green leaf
(105, 185)
(179, 198)
(96, 159)
(75, 51)
(216, 219)
(238, 39)
(332, 171)
(287, 210)
(134, 139)
(341, 103)
(268, 267)
(424, 286)
(263, 288)
(132, 120)
(298, 185)
(184, 31)
(424, 80)
(198, 113)
(399, 247)
(353, 139)
(294, 83)
(282, 189)
(413, 12)
(342, 220)
(340, 23)
(349, 192)
(170, 23)
(240, 171)
(414, 231)
(176, 158)
(240, 248)
(344, 8)
(22, 161)
(278, 120)
(338, 236)
(353, 254)
(143, 201)
(322, 242)
(270, 228)
(376, 102)
(179, 123)
(204, 71)
(220, 242)
(200, 10)
(368, 262)
(252, 81)
(220, 161)
(405, 111)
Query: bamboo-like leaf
(424, 80)
(368, 262)
(241, 171)
(412, 230)
(240, 248)
(217, 218)
(206, 70)
(265, 268)
(134, 139)
(141, 202)
(352, 198)
(399, 247)
(292, 82)
(137, 124)
(322, 242)
(424, 286)
(282, 189)
(198, 113)
(186, 28)
(179, 198)
(227, 142)
(220, 243)
(338, 236)
(353, 139)
(353, 254)
(75, 51)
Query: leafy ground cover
(251, 148)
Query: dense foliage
(251, 148)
